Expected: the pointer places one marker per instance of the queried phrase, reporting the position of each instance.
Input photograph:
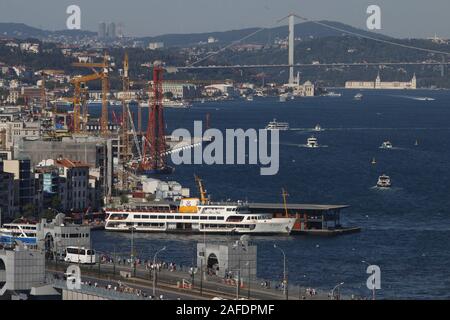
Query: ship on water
(195, 215)
(275, 125)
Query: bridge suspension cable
(372, 38)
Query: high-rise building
(24, 192)
(6, 194)
(111, 32)
(102, 30)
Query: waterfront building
(301, 90)
(224, 89)
(57, 235)
(6, 194)
(378, 84)
(69, 179)
(181, 90)
(53, 236)
(24, 184)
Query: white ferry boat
(384, 181)
(386, 145)
(275, 125)
(312, 142)
(169, 104)
(191, 216)
(333, 94)
(26, 233)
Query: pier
(312, 219)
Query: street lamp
(132, 252)
(285, 280)
(373, 285)
(154, 269)
(337, 286)
(193, 271)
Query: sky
(399, 18)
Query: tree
(48, 214)
(123, 199)
(28, 210)
(56, 203)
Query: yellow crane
(285, 194)
(203, 196)
(79, 82)
(103, 75)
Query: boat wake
(302, 145)
(391, 189)
(414, 98)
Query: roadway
(167, 283)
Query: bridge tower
(291, 48)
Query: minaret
(378, 81)
(414, 82)
(291, 49)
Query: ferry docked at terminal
(195, 216)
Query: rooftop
(297, 206)
(70, 163)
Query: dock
(311, 219)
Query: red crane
(154, 144)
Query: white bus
(80, 255)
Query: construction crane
(125, 132)
(154, 144)
(104, 76)
(201, 190)
(79, 83)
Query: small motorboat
(358, 96)
(312, 142)
(384, 181)
(318, 128)
(386, 145)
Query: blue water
(405, 230)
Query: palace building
(378, 84)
